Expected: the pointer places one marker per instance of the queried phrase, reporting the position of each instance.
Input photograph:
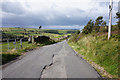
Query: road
(52, 61)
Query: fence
(10, 44)
(19, 43)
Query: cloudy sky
(54, 14)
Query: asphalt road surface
(52, 61)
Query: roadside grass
(8, 57)
(12, 46)
(12, 53)
(100, 50)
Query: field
(35, 32)
(13, 51)
(12, 46)
(25, 32)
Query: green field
(25, 32)
(35, 32)
(12, 33)
(12, 46)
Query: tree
(103, 27)
(98, 23)
(104, 24)
(78, 32)
(40, 27)
(118, 17)
(89, 27)
(25, 31)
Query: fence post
(21, 43)
(15, 44)
(29, 39)
(32, 39)
(8, 44)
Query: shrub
(8, 57)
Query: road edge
(81, 57)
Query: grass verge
(100, 50)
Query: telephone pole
(110, 18)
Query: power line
(90, 10)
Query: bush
(74, 38)
(8, 57)
(116, 36)
(103, 29)
(88, 28)
(114, 28)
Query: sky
(54, 14)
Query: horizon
(38, 28)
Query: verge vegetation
(94, 45)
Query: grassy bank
(98, 49)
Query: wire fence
(13, 44)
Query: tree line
(99, 25)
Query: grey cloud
(106, 4)
(119, 6)
(77, 16)
(36, 20)
(12, 7)
(30, 19)
(40, 18)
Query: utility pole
(110, 18)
